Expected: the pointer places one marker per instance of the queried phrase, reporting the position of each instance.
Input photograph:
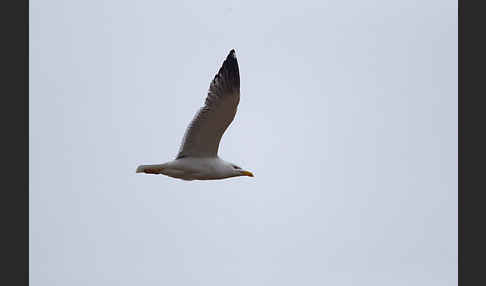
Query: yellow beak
(247, 173)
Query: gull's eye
(236, 167)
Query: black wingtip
(231, 63)
(227, 80)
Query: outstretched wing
(204, 133)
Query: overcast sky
(347, 118)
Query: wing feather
(204, 133)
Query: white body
(196, 169)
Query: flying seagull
(198, 154)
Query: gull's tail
(150, 169)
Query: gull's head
(238, 171)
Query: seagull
(198, 154)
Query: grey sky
(347, 118)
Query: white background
(347, 118)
